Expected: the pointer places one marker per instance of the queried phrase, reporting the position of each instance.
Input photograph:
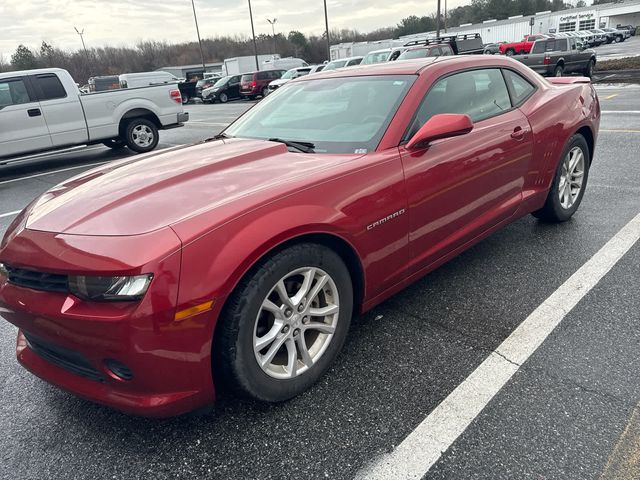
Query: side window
(521, 89)
(13, 92)
(49, 87)
(562, 44)
(478, 93)
(446, 51)
(262, 75)
(234, 80)
(539, 46)
(572, 43)
(435, 52)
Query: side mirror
(443, 125)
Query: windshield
(336, 115)
(376, 57)
(417, 53)
(221, 82)
(289, 74)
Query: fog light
(118, 369)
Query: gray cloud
(123, 22)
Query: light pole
(253, 34)
(81, 33)
(273, 29)
(438, 21)
(445, 16)
(195, 18)
(326, 26)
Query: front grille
(48, 282)
(69, 360)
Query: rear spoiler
(568, 80)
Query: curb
(617, 75)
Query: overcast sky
(123, 22)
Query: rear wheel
(115, 143)
(569, 183)
(510, 52)
(284, 325)
(141, 135)
(185, 98)
(558, 71)
(265, 92)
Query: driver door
(460, 187)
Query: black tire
(588, 71)
(559, 70)
(510, 52)
(234, 362)
(553, 211)
(132, 135)
(619, 39)
(265, 92)
(185, 98)
(115, 143)
(223, 98)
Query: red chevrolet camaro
(240, 261)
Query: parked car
(631, 28)
(342, 62)
(437, 50)
(151, 285)
(618, 35)
(255, 83)
(144, 79)
(522, 47)
(382, 55)
(225, 89)
(463, 44)
(598, 38)
(43, 110)
(558, 57)
(492, 48)
(317, 68)
(607, 36)
(288, 75)
(188, 90)
(204, 83)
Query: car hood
(280, 82)
(146, 193)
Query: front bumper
(75, 340)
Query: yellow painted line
(190, 312)
(619, 131)
(624, 462)
(611, 96)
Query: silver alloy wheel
(296, 322)
(142, 135)
(571, 177)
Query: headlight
(3, 271)
(115, 289)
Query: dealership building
(514, 28)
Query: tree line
(151, 55)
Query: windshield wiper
(304, 147)
(220, 136)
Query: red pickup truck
(524, 46)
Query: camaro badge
(385, 219)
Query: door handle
(518, 133)
(34, 112)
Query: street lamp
(193, 5)
(81, 33)
(273, 29)
(253, 34)
(438, 21)
(326, 26)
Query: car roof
(346, 59)
(415, 66)
(426, 47)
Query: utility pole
(326, 26)
(253, 34)
(438, 21)
(81, 33)
(273, 29)
(195, 17)
(445, 16)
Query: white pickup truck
(43, 110)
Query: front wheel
(588, 71)
(223, 98)
(141, 135)
(284, 324)
(510, 52)
(569, 183)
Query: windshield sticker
(360, 150)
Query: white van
(283, 63)
(144, 79)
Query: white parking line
(417, 453)
(9, 214)
(620, 111)
(51, 172)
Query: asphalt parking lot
(570, 411)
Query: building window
(567, 27)
(587, 24)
